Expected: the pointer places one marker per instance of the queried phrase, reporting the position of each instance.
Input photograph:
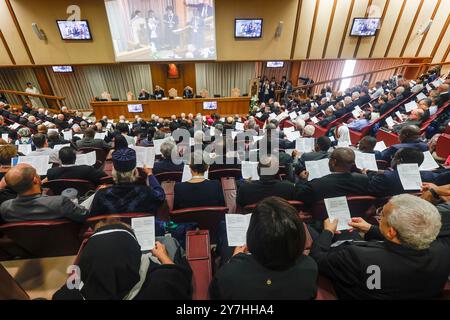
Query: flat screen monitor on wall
(365, 27)
(62, 69)
(210, 105)
(274, 64)
(74, 30)
(248, 28)
(162, 30)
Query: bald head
(409, 134)
(342, 160)
(21, 178)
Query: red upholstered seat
(169, 176)
(221, 173)
(199, 257)
(57, 186)
(443, 146)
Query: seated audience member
(198, 191)
(7, 152)
(321, 148)
(413, 263)
(367, 145)
(414, 119)
(166, 164)
(328, 117)
(272, 264)
(379, 90)
(388, 183)
(60, 122)
(30, 204)
(69, 170)
(42, 128)
(148, 141)
(112, 266)
(440, 197)
(341, 181)
(89, 141)
(343, 136)
(269, 184)
(361, 123)
(125, 195)
(42, 149)
(308, 131)
(409, 138)
(54, 138)
(24, 136)
(124, 130)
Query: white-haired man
(408, 261)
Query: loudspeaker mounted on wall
(39, 32)
(279, 29)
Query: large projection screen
(162, 30)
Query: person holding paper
(367, 145)
(341, 181)
(388, 183)
(251, 192)
(363, 121)
(411, 262)
(126, 195)
(415, 118)
(89, 141)
(409, 137)
(42, 149)
(30, 204)
(166, 164)
(321, 148)
(68, 169)
(24, 136)
(276, 267)
(328, 118)
(112, 267)
(54, 139)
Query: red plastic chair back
(169, 176)
(229, 192)
(57, 186)
(124, 217)
(218, 174)
(382, 165)
(41, 239)
(199, 257)
(443, 146)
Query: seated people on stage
(388, 183)
(42, 149)
(188, 93)
(198, 191)
(30, 204)
(341, 181)
(69, 170)
(144, 95)
(269, 184)
(415, 118)
(272, 264)
(410, 263)
(367, 145)
(111, 266)
(158, 93)
(126, 195)
(166, 164)
(125, 130)
(361, 123)
(409, 138)
(89, 141)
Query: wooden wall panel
(433, 34)
(337, 28)
(187, 77)
(320, 30)
(367, 42)
(359, 10)
(304, 29)
(442, 49)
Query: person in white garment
(35, 102)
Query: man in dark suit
(388, 183)
(144, 95)
(69, 170)
(166, 164)
(321, 147)
(60, 122)
(410, 262)
(250, 192)
(409, 138)
(88, 141)
(341, 181)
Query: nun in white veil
(343, 136)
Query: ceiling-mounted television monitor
(62, 69)
(74, 30)
(365, 27)
(274, 64)
(248, 28)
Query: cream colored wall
(320, 30)
(366, 43)
(55, 50)
(266, 48)
(337, 29)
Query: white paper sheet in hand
(288, 130)
(258, 115)
(304, 144)
(144, 229)
(249, 170)
(67, 135)
(5, 137)
(380, 146)
(355, 113)
(257, 138)
(87, 159)
(187, 175)
(293, 136)
(237, 226)
(317, 169)
(14, 126)
(293, 115)
(100, 135)
(337, 208)
(428, 162)
(239, 126)
(88, 202)
(24, 149)
(144, 156)
(314, 120)
(40, 163)
(410, 106)
(365, 161)
(58, 147)
(157, 144)
(429, 88)
(390, 121)
(410, 176)
(421, 96)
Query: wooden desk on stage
(166, 108)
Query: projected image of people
(154, 30)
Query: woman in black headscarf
(110, 266)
